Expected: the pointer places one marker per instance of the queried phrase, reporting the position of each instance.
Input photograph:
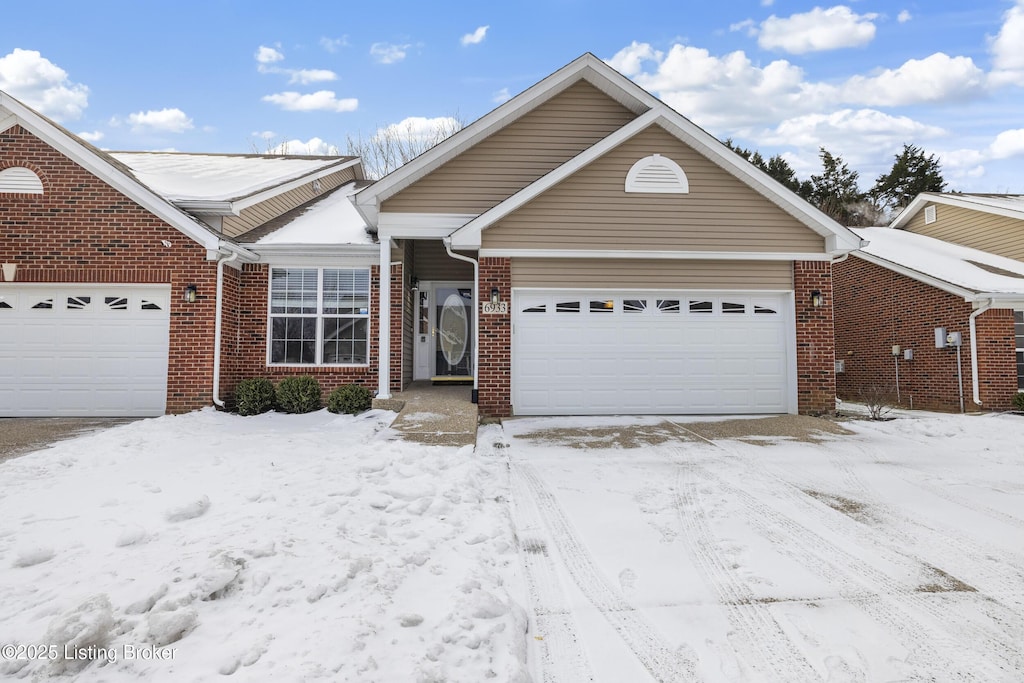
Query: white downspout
(447, 241)
(384, 323)
(974, 349)
(217, 401)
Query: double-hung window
(319, 316)
(1018, 329)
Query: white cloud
(501, 96)
(42, 85)
(420, 128)
(268, 55)
(162, 120)
(476, 37)
(936, 78)
(1009, 143)
(904, 16)
(94, 136)
(264, 134)
(1008, 48)
(322, 100)
(334, 44)
(307, 76)
(817, 30)
(747, 25)
(314, 146)
(860, 130)
(629, 60)
(767, 3)
(387, 53)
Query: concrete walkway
(20, 435)
(438, 415)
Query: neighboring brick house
(581, 249)
(896, 291)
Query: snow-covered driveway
(896, 553)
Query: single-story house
(892, 296)
(581, 249)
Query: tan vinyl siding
(512, 158)
(408, 312)
(431, 262)
(972, 228)
(258, 214)
(651, 274)
(592, 210)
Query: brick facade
(815, 351)
(83, 230)
(878, 308)
(495, 362)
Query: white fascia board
(7, 122)
(651, 254)
(245, 202)
(129, 186)
(588, 67)
(420, 225)
(344, 255)
(956, 290)
(207, 207)
(1012, 301)
(963, 202)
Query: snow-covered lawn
(270, 548)
(292, 548)
(896, 553)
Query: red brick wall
(83, 230)
(878, 308)
(495, 362)
(815, 352)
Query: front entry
(444, 332)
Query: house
(892, 295)
(990, 222)
(581, 249)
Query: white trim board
(648, 254)
(963, 202)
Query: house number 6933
(501, 307)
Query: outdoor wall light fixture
(817, 299)
(415, 282)
(189, 296)
(495, 298)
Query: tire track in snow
(563, 657)
(664, 664)
(878, 595)
(766, 647)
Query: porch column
(384, 321)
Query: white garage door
(83, 350)
(681, 352)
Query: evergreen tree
(912, 173)
(835, 190)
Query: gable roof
(329, 219)
(587, 67)
(963, 271)
(1009, 205)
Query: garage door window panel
(701, 306)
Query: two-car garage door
(83, 350)
(674, 352)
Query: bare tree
(397, 144)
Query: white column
(384, 325)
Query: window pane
(293, 340)
(668, 305)
(604, 306)
(293, 290)
(567, 307)
(346, 291)
(634, 305)
(729, 307)
(701, 306)
(1020, 369)
(345, 340)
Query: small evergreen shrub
(254, 396)
(299, 394)
(350, 398)
(1018, 401)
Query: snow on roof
(217, 177)
(331, 219)
(964, 267)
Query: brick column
(495, 334)
(395, 315)
(815, 342)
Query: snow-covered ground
(285, 547)
(270, 548)
(893, 554)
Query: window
(701, 306)
(731, 307)
(319, 316)
(634, 305)
(1018, 330)
(668, 305)
(603, 306)
(567, 307)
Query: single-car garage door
(83, 350)
(677, 352)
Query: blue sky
(784, 77)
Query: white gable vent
(929, 214)
(20, 180)
(656, 174)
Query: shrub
(1018, 401)
(878, 400)
(351, 398)
(254, 396)
(299, 394)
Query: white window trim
(1018, 348)
(319, 315)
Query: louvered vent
(20, 180)
(929, 214)
(657, 174)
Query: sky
(860, 79)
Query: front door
(444, 334)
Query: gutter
(447, 241)
(974, 348)
(217, 327)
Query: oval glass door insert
(453, 329)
